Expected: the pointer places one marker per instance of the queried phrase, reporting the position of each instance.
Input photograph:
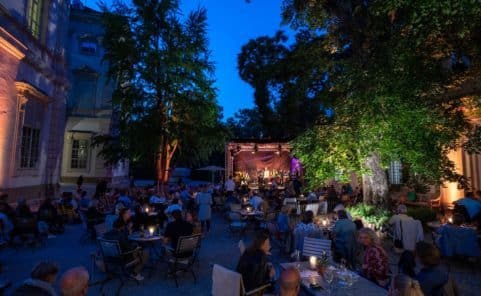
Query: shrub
(370, 214)
(422, 214)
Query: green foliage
(370, 214)
(422, 214)
(398, 72)
(164, 98)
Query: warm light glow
(151, 230)
(313, 262)
(147, 209)
(324, 222)
(450, 220)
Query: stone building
(33, 86)
(89, 108)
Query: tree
(287, 91)
(400, 72)
(164, 97)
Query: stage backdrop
(252, 163)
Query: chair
(182, 259)
(316, 247)
(117, 263)
(226, 282)
(218, 203)
(236, 223)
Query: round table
(149, 242)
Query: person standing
(204, 200)
(229, 186)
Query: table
(251, 213)
(149, 242)
(362, 286)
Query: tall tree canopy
(164, 100)
(401, 75)
(287, 91)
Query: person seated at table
(140, 218)
(403, 285)
(154, 199)
(177, 228)
(126, 217)
(306, 227)
(256, 201)
(454, 239)
(48, 213)
(344, 232)
(75, 282)
(472, 206)
(253, 264)
(125, 199)
(375, 266)
(41, 281)
(119, 234)
(174, 206)
(431, 277)
(289, 282)
(340, 207)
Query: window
(395, 172)
(35, 17)
(88, 47)
(30, 147)
(80, 152)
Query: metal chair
(236, 223)
(316, 247)
(116, 263)
(182, 259)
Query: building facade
(33, 89)
(89, 108)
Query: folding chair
(228, 282)
(182, 259)
(316, 247)
(314, 207)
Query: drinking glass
(329, 278)
(349, 279)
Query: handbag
(398, 243)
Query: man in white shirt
(229, 186)
(173, 206)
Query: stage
(260, 163)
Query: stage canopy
(259, 162)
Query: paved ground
(217, 247)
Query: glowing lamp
(313, 262)
(151, 230)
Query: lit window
(88, 46)
(80, 153)
(35, 17)
(30, 147)
(395, 173)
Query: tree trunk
(164, 157)
(375, 185)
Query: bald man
(289, 282)
(75, 282)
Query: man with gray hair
(75, 282)
(406, 231)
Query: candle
(147, 210)
(313, 262)
(450, 220)
(324, 222)
(151, 230)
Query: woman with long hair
(253, 264)
(375, 266)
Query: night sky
(231, 24)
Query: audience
(177, 228)
(344, 232)
(253, 264)
(75, 282)
(431, 277)
(375, 266)
(119, 234)
(204, 200)
(471, 205)
(256, 201)
(402, 285)
(41, 281)
(289, 282)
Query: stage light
(279, 149)
(256, 149)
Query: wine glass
(349, 279)
(329, 278)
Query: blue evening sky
(231, 24)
